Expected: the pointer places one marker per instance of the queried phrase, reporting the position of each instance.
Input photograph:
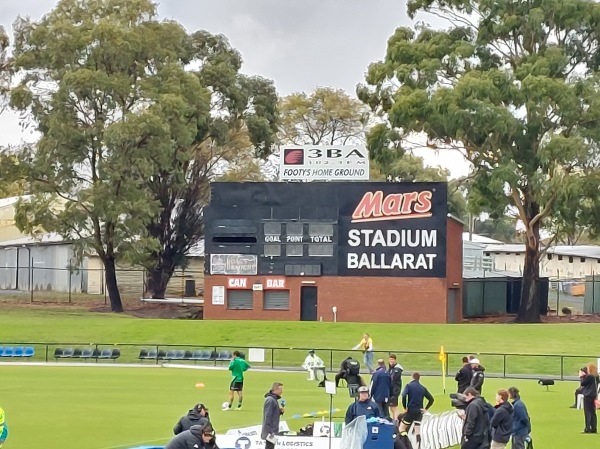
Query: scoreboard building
(353, 251)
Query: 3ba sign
(324, 163)
(393, 230)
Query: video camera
(458, 401)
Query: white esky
(300, 44)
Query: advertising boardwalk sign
(393, 230)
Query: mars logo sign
(394, 230)
(395, 206)
(324, 163)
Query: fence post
(557, 292)
(272, 358)
(31, 276)
(156, 360)
(70, 284)
(593, 293)
(331, 360)
(46, 353)
(504, 366)
(483, 296)
(562, 368)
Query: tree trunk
(158, 280)
(111, 285)
(529, 310)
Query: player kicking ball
(237, 366)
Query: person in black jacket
(502, 422)
(463, 376)
(197, 416)
(589, 389)
(381, 388)
(395, 371)
(412, 400)
(272, 412)
(476, 428)
(350, 372)
(477, 374)
(198, 437)
(365, 406)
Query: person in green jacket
(237, 367)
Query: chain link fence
(63, 285)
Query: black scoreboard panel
(329, 229)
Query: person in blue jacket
(365, 406)
(521, 421)
(381, 387)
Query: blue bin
(380, 436)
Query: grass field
(81, 327)
(116, 407)
(111, 407)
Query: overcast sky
(300, 44)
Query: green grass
(81, 327)
(112, 407)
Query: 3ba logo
(375, 206)
(293, 156)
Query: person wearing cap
(477, 374)
(381, 387)
(364, 406)
(312, 363)
(197, 437)
(197, 416)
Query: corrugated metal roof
(589, 251)
(476, 238)
(44, 239)
(480, 274)
(197, 250)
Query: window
(560, 257)
(294, 250)
(272, 250)
(234, 239)
(239, 299)
(272, 228)
(277, 300)
(320, 229)
(570, 259)
(303, 270)
(549, 256)
(320, 250)
(294, 229)
(582, 259)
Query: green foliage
(137, 117)
(325, 117)
(514, 86)
(105, 85)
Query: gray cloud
(300, 44)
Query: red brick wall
(454, 258)
(360, 299)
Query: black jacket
(193, 418)
(381, 385)
(413, 395)
(271, 415)
(477, 421)
(396, 375)
(502, 423)
(477, 378)
(589, 386)
(368, 408)
(191, 439)
(463, 378)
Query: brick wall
(360, 299)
